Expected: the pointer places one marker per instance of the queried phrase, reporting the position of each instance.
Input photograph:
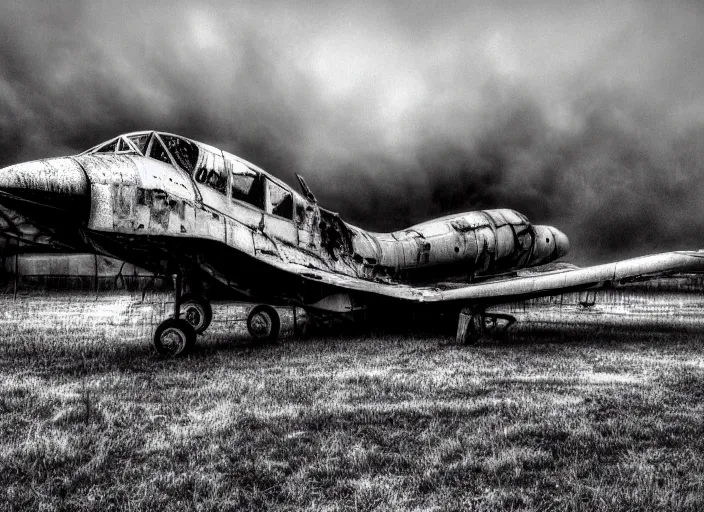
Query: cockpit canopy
(228, 175)
(165, 147)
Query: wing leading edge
(522, 287)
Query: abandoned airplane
(183, 208)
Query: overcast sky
(589, 117)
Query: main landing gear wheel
(263, 323)
(174, 337)
(196, 311)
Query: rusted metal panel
(507, 216)
(124, 198)
(101, 212)
(159, 211)
(412, 251)
(485, 240)
(214, 199)
(71, 265)
(155, 175)
(246, 214)
(264, 245)
(468, 249)
(307, 220)
(134, 194)
(365, 247)
(497, 216)
(59, 175)
(240, 237)
(107, 169)
(294, 254)
(145, 211)
(653, 265)
(142, 213)
(505, 241)
(209, 224)
(486, 246)
(188, 222)
(661, 304)
(433, 229)
(519, 287)
(446, 249)
(281, 229)
(470, 220)
(391, 254)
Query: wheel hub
(194, 316)
(261, 324)
(173, 340)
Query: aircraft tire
(174, 337)
(197, 311)
(263, 323)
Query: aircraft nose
(56, 182)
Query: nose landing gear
(191, 316)
(174, 337)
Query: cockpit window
(280, 201)
(107, 148)
(123, 146)
(211, 171)
(140, 141)
(171, 150)
(184, 151)
(157, 151)
(246, 185)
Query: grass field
(91, 419)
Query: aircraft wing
(530, 285)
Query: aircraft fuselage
(207, 209)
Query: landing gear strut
(263, 323)
(470, 326)
(474, 324)
(175, 336)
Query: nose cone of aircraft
(57, 183)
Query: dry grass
(91, 419)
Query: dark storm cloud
(590, 117)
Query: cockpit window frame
(258, 200)
(134, 149)
(176, 153)
(270, 187)
(129, 136)
(96, 149)
(108, 144)
(164, 147)
(130, 144)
